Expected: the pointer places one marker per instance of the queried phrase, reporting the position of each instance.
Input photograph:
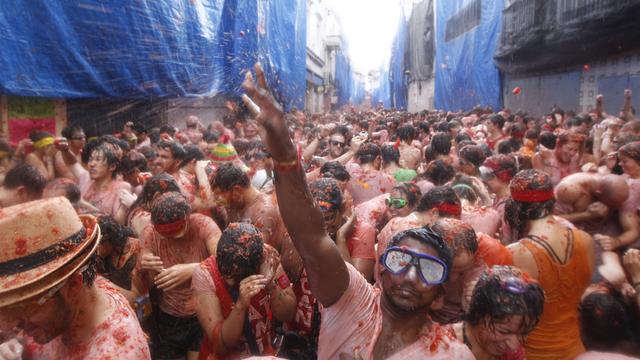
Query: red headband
(531, 196)
(453, 209)
(170, 228)
(502, 174)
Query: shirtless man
(358, 321)
(564, 160)
(410, 156)
(173, 246)
(42, 156)
(77, 139)
(193, 134)
(244, 203)
(367, 180)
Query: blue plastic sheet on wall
(344, 80)
(466, 37)
(397, 78)
(381, 95)
(150, 48)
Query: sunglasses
(396, 203)
(398, 260)
(336, 143)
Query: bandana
(531, 196)
(453, 209)
(170, 228)
(44, 142)
(502, 174)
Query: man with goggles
(358, 320)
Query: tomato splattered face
(500, 338)
(43, 322)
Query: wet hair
(156, 185)
(457, 234)
(90, 273)
(497, 120)
(192, 152)
(240, 251)
(631, 150)
(439, 172)
(441, 144)
(411, 191)
(132, 161)
(461, 137)
(503, 166)
(138, 128)
(228, 175)
(68, 131)
(567, 136)
(492, 299)
(505, 147)
(166, 129)
(70, 189)
(464, 188)
(605, 320)
(114, 233)
(390, 154)
(176, 149)
(367, 153)
(517, 213)
(473, 154)
(437, 196)
(326, 193)
(406, 133)
(37, 135)
(532, 134)
(25, 175)
(428, 237)
(336, 170)
(169, 207)
(548, 139)
(575, 121)
(110, 157)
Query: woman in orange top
(561, 258)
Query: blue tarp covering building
(397, 79)
(344, 78)
(381, 94)
(150, 48)
(466, 37)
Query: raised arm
(302, 218)
(626, 108)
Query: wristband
(289, 165)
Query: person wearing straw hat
(52, 304)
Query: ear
(22, 193)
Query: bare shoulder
(523, 258)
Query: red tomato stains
(21, 246)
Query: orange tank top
(557, 335)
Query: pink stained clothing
(361, 244)
(108, 202)
(186, 184)
(350, 328)
(367, 184)
(118, 337)
(179, 301)
(482, 219)
(373, 211)
(202, 283)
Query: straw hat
(42, 243)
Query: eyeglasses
(336, 143)
(398, 260)
(396, 203)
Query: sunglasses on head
(396, 203)
(398, 260)
(336, 143)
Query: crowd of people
(377, 234)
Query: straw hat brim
(57, 271)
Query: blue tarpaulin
(397, 78)
(466, 37)
(381, 94)
(344, 78)
(150, 48)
